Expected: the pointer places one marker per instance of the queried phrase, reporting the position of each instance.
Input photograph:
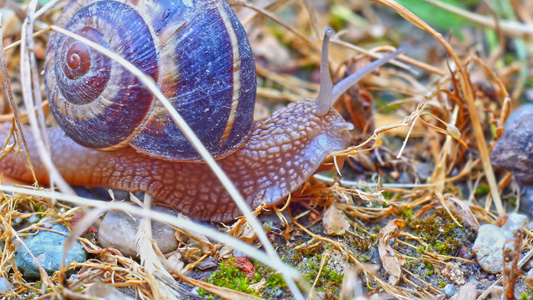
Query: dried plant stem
(467, 93)
(100, 207)
(11, 98)
(29, 87)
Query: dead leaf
(242, 230)
(335, 222)
(392, 263)
(242, 263)
(105, 291)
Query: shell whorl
(197, 53)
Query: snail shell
(196, 51)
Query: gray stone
(513, 150)
(424, 170)
(449, 290)
(514, 222)
(47, 247)
(526, 201)
(488, 248)
(118, 230)
(5, 285)
(490, 240)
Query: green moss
(229, 276)
(406, 213)
(483, 189)
(275, 285)
(429, 269)
(330, 281)
(439, 232)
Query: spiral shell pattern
(197, 52)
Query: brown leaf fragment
(335, 222)
(392, 263)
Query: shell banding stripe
(196, 51)
(198, 77)
(109, 112)
(236, 70)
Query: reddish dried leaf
(243, 264)
(392, 263)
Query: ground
(416, 184)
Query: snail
(198, 54)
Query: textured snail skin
(282, 151)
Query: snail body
(273, 161)
(266, 160)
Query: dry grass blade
(149, 258)
(30, 86)
(467, 93)
(11, 98)
(99, 207)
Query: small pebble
(424, 170)
(467, 291)
(488, 248)
(47, 247)
(490, 240)
(449, 290)
(5, 285)
(118, 230)
(33, 219)
(514, 222)
(374, 255)
(207, 264)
